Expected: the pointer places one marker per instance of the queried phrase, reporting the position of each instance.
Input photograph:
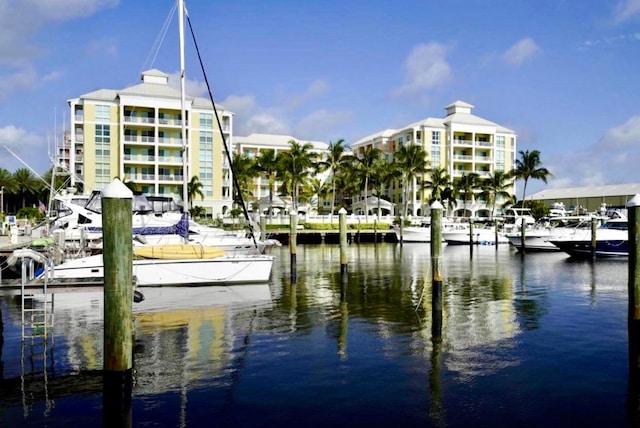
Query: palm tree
(335, 161)
(437, 182)
(25, 184)
(267, 164)
(411, 159)
(295, 167)
(244, 172)
(7, 185)
(194, 188)
(467, 184)
(495, 187)
(384, 174)
(366, 166)
(529, 166)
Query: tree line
(295, 172)
(372, 172)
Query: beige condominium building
(461, 142)
(135, 134)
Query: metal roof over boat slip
(629, 189)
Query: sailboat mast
(185, 140)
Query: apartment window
(435, 138)
(500, 142)
(435, 156)
(103, 134)
(103, 113)
(206, 120)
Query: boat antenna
(224, 140)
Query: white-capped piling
(117, 257)
(343, 240)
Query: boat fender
(137, 296)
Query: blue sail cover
(180, 228)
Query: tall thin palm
(529, 166)
(295, 168)
(366, 165)
(412, 161)
(245, 172)
(496, 187)
(438, 180)
(7, 185)
(194, 188)
(267, 164)
(383, 175)
(467, 184)
(335, 162)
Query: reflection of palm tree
(25, 183)
(529, 166)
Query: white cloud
(24, 144)
(21, 20)
(106, 46)
(250, 118)
(426, 67)
(623, 136)
(321, 122)
(521, 52)
(316, 89)
(626, 10)
(24, 79)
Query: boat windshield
(616, 225)
(139, 203)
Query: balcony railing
(169, 159)
(171, 122)
(463, 157)
(139, 158)
(139, 139)
(170, 141)
(144, 120)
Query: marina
(523, 340)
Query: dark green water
(538, 342)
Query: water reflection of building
(173, 325)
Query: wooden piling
(471, 243)
(436, 276)
(634, 256)
(633, 213)
(523, 235)
(293, 241)
(594, 242)
(118, 277)
(343, 240)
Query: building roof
(629, 189)
(154, 85)
(276, 140)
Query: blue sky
(564, 74)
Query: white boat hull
(480, 236)
(225, 270)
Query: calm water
(536, 342)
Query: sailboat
(184, 263)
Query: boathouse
(590, 198)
